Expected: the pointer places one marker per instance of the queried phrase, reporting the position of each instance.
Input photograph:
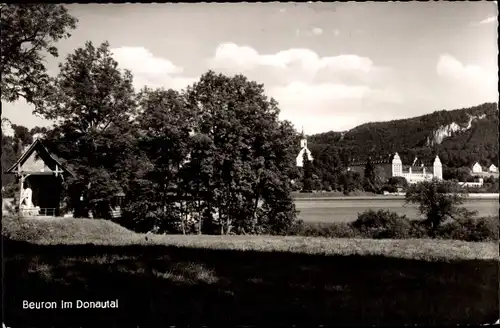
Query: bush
(324, 229)
(398, 182)
(389, 188)
(383, 224)
(389, 225)
(468, 229)
(9, 191)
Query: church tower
(397, 166)
(303, 140)
(303, 149)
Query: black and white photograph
(250, 164)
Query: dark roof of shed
(28, 153)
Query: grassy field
(241, 279)
(345, 210)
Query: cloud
(467, 85)
(333, 106)
(297, 91)
(321, 93)
(150, 70)
(489, 20)
(451, 68)
(230, 55)
(317, 31)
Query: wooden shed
(41, 172)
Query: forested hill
(460, 137)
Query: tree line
(212, 158)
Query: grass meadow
(236, 280)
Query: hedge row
(384, 224)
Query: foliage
(462, 174)
(383, 224)
(438, 201)
(215, 159)
(250, 155)
(163, 144)
(93, 102)
(322, 229)
(350, 182)
(398, 182)
(374, 177)
(29, 32)
(307, 166)
(389, 225)
(470, 229)
(8, 159)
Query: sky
(330, 66)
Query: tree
(398, 182)
(369, 176)
(350, 181)
(438, 201)
(379, 178)
(28, 31)
(165, 124)
(308, 173)
(93, 102)
(328, 165)
(8, 159)
(248, 154)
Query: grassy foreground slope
(242, 279)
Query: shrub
(469, 229)
(389, 188)
(324, 229)
(383, 224)
(419, 229)
(398, 182)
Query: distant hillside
(460, 137)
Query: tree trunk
(219, 210)
(228, 225)
(256, 206)
(183, 225)
(200, 217)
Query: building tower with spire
(303, 149)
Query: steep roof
(44, 154)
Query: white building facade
(477, 168)
(414, 177)
(303, 149)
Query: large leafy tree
(28, 33)
(164, 140)
(93, 102)
(249, 152)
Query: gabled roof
(36, 144)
